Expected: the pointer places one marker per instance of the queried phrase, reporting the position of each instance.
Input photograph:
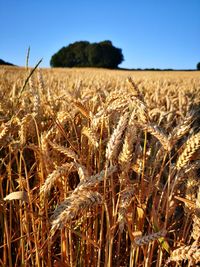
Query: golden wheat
(100, 156)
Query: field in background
(98, 169)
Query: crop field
(99, 168)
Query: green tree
(2, 62)
(94, 55)
(80, 53)
(198, 66)
(111, 56)
(85, 54)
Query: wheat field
(99, 168)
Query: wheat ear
(72, 206)
(145, 240)
(64, 150)
(191, 146)
(196, 219)
(24, 127)
(3, 133)
(126, 154)
(54, 176)
(135, 88)
(192, 186)
(91, 136)
(125, 201)
(159, 134)
(180, 130)
(115, 139)
(190, 253)
(92, 181)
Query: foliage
(198, 66)
(85, 54)
(2, 62)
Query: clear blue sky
(151, 33)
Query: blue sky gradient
(151, 33)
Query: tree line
(86, 54)
(2, 62)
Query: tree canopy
(2, 62)
(198, 66)
(85, 54)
